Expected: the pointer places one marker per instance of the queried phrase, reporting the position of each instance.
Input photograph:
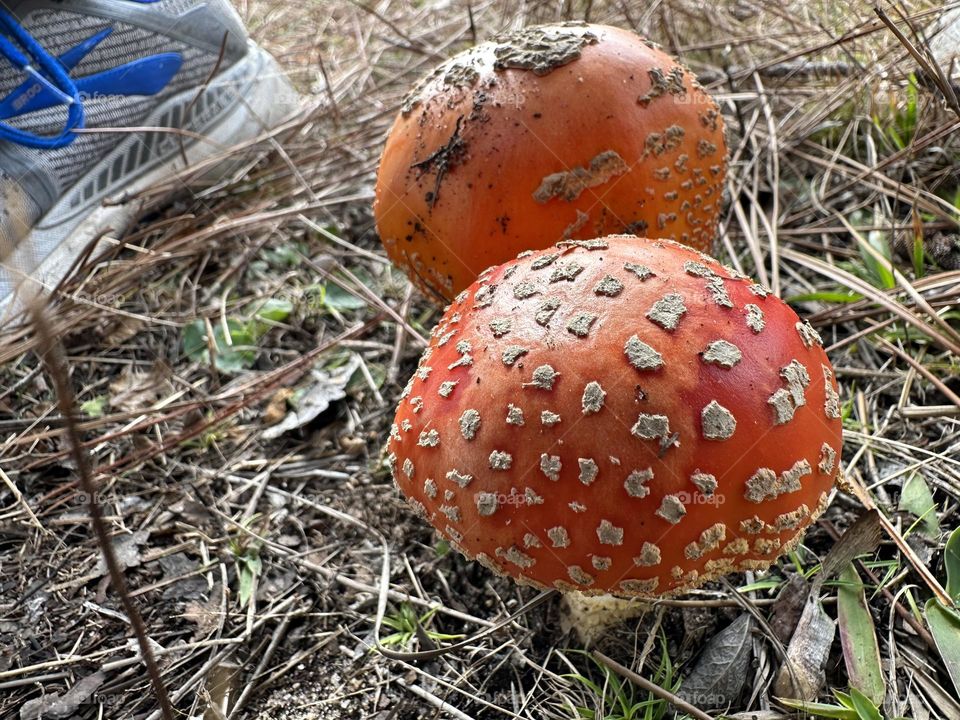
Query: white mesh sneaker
(113, 64)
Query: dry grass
(207, 512)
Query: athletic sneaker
(118, 64)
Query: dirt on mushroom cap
(587, 460)
(551, 133)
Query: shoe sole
(239, 104)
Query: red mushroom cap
(619, 416)
(553, 132)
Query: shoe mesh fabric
(60, 30)
(51, 198)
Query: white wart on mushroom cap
(619, 416)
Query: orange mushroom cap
(619, 416)
(551, 133)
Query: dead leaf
(860, 538)
(939, 697)
(221, 685)
(352, 445)
(136, 390)
(699, 625)
(62, 706)
(127, 550)
(802, 674)
(328, 387)
(119, 330)
(177, 569)
(788, 607)
(276, 408)
(917, 707)
(193, 512)
(205, 614)
(718, 678)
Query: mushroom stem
(590, 616)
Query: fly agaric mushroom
(620, 416)
(550, 133)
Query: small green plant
(878, 273)
(404, 622)
(331, 297)
(246, 557)
(850, 706)
(846, 411)
(285, 256)
(901, 127)
(943, 621)
(918, 255)
(954, 199)
(234, 343)
(617, 699)
(94, 408)
(249, 566)
(212, 434)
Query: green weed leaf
(916, 499)
(866, 709)
(944, 625)
(275, 310)
(951, 559)
(858, 636)
(234, 356)
(94, 408)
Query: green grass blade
(586, 682)
(827, 296)
(918, 255)
(821, 710)
(767, 584)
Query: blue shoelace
(45, 69)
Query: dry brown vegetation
(256, 557)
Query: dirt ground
(255, 551)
